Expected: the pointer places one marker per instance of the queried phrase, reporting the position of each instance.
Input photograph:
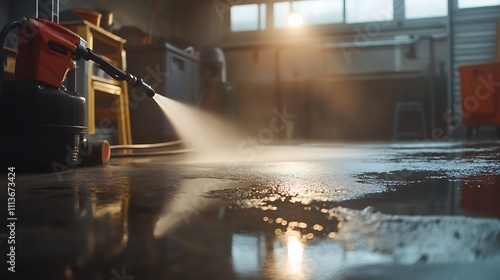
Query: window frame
(342, 13)
(457, 5)
(423, 18)
(394, 2)
(261, 19)
(398, 23)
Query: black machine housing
(42, 128)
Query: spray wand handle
(113, 71)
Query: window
(281, 12)
(249, 17)
(369, 10)
(477, 3)
(426, 8)
(313, 11)
(252, 17)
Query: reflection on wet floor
(415, 214)
(481, 195)
(472, 196)
(339, 238)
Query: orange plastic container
(480, 91)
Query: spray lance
(42, 125)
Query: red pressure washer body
(42, 125)
(47, 56)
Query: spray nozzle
(139, 83)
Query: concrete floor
(378, 211)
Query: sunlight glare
(295, 252)
(295, 19)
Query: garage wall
(199, 24)
(336, 92)
(474, 42)
(253, 69)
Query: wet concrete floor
(346, 211)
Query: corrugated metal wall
(474, 40)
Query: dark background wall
(127, 13)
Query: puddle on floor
(271, 233)
(365, 238)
